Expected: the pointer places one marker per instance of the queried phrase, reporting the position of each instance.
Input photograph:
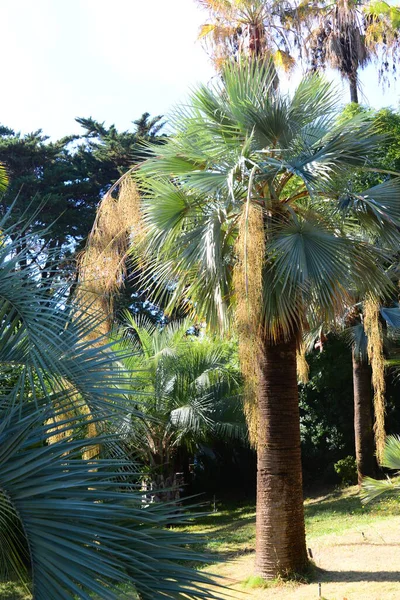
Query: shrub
(346, 468)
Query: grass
(356, 549)
(231, 530)
(340, 531)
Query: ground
(356, 550)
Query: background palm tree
(351, 326)
(191, 396)
(346, 35)
(247, 28)
(241, 215)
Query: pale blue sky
(109, 59)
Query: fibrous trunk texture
(363, 419)
(280, 531)
(373, 330)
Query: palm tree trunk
(353, 89)
(363, 420)
(280, 531)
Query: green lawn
(231, 530)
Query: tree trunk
(280, 531)
(353, 90)
(363, 420)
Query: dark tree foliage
(326, 410)
(55, 186)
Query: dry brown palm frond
(59, 432)
(66, 417)
(373, 330)
(284, 60)
(102, 265)
(247, 282)
(93, 450)
(338, 40)
(236, 27)
(303, 368)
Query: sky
(108, 59)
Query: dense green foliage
(55, 186)
(191, 397)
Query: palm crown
(191, 392)
(253, 171)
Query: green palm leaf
(82, 522)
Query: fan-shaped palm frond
(302, 162)
(45, 343)
(81, 524)
(372, 488)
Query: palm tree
(191, 396)
(346, 35)
(343, 34)
(363, 406)
(71, 527)
(241, 218)
(247, 27)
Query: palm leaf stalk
(241, 143)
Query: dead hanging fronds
(102, 265)
(303, 368)
(94, 450)
(59, 427)
(248, 288)
(66, 417)
(373, 330)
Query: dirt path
(357, 565)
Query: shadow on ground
(326, 576)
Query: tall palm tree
(191, 395)
(346, 35)
(69, 526)
(241, 217)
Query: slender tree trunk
(363, 420)
(280, 531)
(353, 89)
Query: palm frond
(86, 516)
(372, 488)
